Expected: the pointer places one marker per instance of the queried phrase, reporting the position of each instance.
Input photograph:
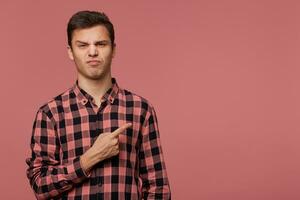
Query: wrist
(89, 159)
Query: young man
(96, 140)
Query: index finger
(121, 129)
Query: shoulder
(136, 101)
(53, 106)
(133, 98)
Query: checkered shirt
(67, 126)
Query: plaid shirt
(66, 127)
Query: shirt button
(100, 183)
(63, 183)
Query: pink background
(222, 75)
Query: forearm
(155, 183)
(156, 190)
(89, 159)
(52, 180)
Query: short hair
(88, 19)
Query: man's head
(91, 44)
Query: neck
(96, 88)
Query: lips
(93, 62)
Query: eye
(82, 45)
(102, 44)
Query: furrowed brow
(97, 42)
(102, 42)
(81, 42)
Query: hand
(105, 146)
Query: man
(96, 140)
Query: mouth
(93, 62)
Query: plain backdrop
(223, 77)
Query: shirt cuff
(75, 171)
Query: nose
(93, 51)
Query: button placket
(100, 181)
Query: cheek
(108, 54)
(78, 58)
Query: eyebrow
(99, 41)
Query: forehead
(98, 32)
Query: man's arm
(47, 176)
(155, 184)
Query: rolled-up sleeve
(155, 183)
(47, 176)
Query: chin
(96, 77)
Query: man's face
(92, 52)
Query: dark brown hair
(88, 19)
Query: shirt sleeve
(155, 184)
(47, 176)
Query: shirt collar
(109, 95)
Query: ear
(70, 52)
(114, 50)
